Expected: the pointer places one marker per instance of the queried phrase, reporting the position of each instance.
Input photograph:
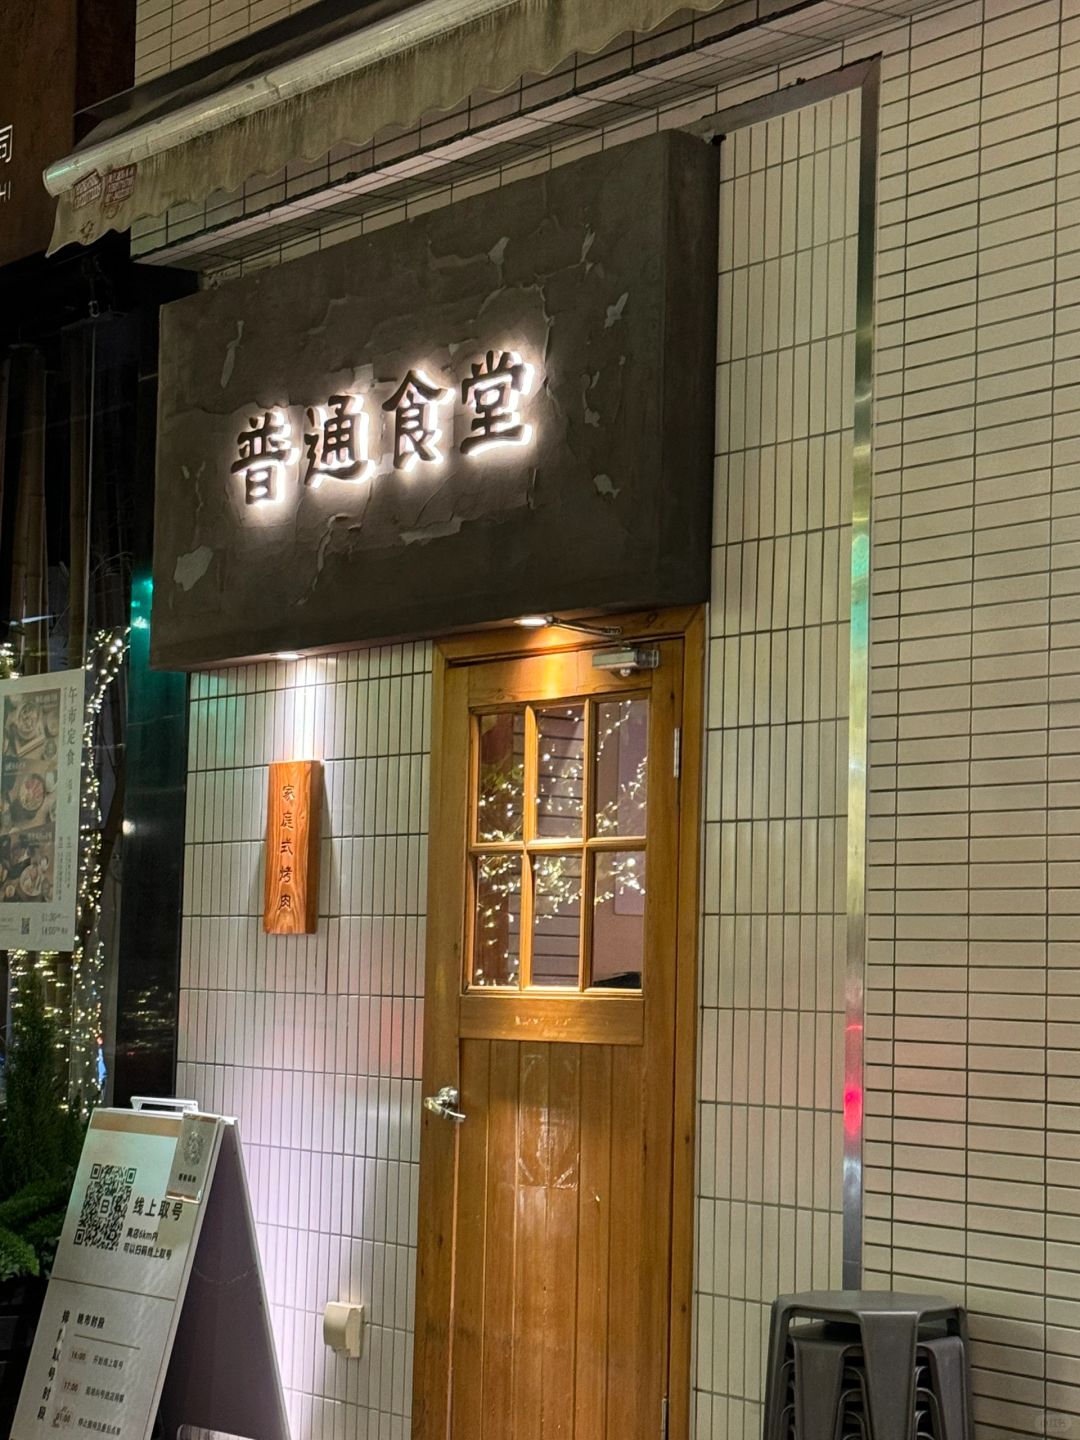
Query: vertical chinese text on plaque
(293, 814)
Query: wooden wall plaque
(293, 820)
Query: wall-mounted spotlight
(582, 627)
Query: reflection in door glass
(560, 772)
(622, 752)
(618, 948)
(497, 936)
(556, 919)
(501, 776)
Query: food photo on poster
(28, 816)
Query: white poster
(40, 773)
(101, 1375)
(120, 1269)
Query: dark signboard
(503, 406)
(37, 106)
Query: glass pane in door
(560, 772)
(618, 939)
(556, 929)
(497, 922)
(500, 776)
(621, 758)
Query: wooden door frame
(434, 1272)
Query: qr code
(108, 1196)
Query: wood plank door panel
(545, 1268)
(548, 1310)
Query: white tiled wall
(315, 1042)
(973, 1033)
(974, 969)
(169, 33)
(772, 1004)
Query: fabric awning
(390, 72)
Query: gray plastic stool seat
(819, 1370)
(947, 1363)
(889, 1324)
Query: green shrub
(43, 1236)
(40, 1141)
(17, 1256)
(40, 1197)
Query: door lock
(445, 1103)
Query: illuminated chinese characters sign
(336, 441)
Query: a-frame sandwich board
(156, 1300)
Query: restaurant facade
(638, 506)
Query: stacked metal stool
(867, 1365)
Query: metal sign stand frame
(222, 1372)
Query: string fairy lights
(103, 666)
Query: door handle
(445, 1103)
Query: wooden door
(545, 1275)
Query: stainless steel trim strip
(793, 97)
(859, 682)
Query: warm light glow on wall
(304, 692)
